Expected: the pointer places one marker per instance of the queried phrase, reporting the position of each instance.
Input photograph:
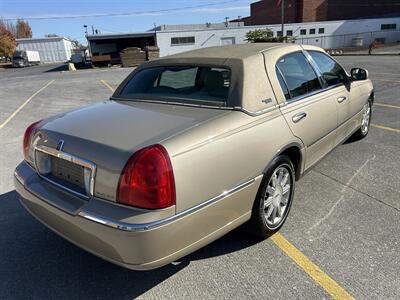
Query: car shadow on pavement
(37, 263)
(236, 240)
(58, 68)
(64, 67)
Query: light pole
(283, 17)
(226, 21)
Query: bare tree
(23, 29)
(9, 26)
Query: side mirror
(359, 74)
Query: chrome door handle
(298, 117)
(341, 99)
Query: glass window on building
(303, 31)
(321, 30)
(289, 32)
(186, 40)
(388, 26)
(312, 31)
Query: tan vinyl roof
(250, 82)
(241, 51)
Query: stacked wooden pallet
(101, 60)
(131, 57)
(153, 52)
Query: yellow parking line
(386, 73)
(386, 105)
(326, 282)
(385, 128)
(388, 80)
(23, 104)
(107, 85)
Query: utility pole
(155, 34)
(88, 43)
(283, 17)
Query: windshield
(18, 54)
(182, 84)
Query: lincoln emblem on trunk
(60, 145)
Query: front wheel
(365, 121)
(274, 198)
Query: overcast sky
(140, 15)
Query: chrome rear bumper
(102, 228)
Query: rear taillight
(27, 140)
(147, 180)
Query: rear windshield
(182, 84)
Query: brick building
(299, 11)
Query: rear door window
(298, 75)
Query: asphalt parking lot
(341, 237)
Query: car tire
(274, 198)
(362, 132)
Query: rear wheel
(274, 198)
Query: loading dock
(107, 47)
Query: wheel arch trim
(299, 167)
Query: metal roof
(114, 36)
(40, 39)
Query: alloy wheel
(366, 118)
(276, 197)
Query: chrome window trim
(71, 158)
(146, 226)
(298, 98)
(317, 71)
(257, 112)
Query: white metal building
(51, 49)
(173, 39)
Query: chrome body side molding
(146, 226)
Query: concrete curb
(5, 66)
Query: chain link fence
(356, 41)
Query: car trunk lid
(108, 133)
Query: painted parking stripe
(385, 128)
(396, 74)
(107, 85)
(324, 280)
(386, 105)
(387, 80)
(23, 105)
